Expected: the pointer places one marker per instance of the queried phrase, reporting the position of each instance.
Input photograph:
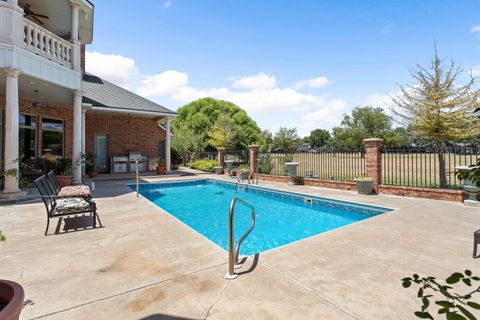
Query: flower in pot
(365, 185)
(12, 296)
(160, 166)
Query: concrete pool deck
(145, 264)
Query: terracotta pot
(12, 293)
(64, 181)
(160, 170)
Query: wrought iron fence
(426, 166)
(238, 156)
(328, 164)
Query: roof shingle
(101, 93)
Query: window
(27, 137)
(52, 138)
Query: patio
(145, 264)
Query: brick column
(373, 158)
(221, 157)
(253, 158)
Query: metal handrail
(233, 250)
(136, 173)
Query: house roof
(109, 97)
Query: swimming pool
(281, 217)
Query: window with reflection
(27, 147)
(52, 138)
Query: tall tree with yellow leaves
(437, 108)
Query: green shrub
(203, 165)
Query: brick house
(50, 107)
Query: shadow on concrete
(254, 264)
(159, 316)
(76, 223)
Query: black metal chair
(60, 206)
(476, 242)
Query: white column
(11, 131)
(83, 138)
(74, 34)
(74, 38)
(77, 137)
(168, 160)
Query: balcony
(45, 43)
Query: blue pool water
(281, 217)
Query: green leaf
(426, 303)
(467, 281)
(406, 283)
(423, 315)
(454, 278)
(468, 272)
(476, 278)
(474, 305)
(467, 313)
(420, 293)
(455, 316)
(445, 303)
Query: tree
(201, 115)
(437, 108)
(286, 138)
(318, 138)
(266, 141)
(223, 133)
(183, 142)
(363, 123)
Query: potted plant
(12, 296)
(364, 185)
(160, 166)
(89, 167)
(298, 181)
(64, 178)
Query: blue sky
(288, 63)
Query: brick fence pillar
(221, 157)
(253, 157)
(373, 158)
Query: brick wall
(58, 112)
(125, 133)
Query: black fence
(325, 164)
(426, 166)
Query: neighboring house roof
(105, 95)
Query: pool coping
(293, 193)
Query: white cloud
(163, 84)
(167, 4)
(312, 83)
(115, 68)
(327, 115)
(476, 29)
(378, 100)
(476, 71)
(259, 81)
(270, 105)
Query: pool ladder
(234, 249)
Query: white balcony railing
(47, 44)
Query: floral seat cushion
(75, 191)
(69, 204)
